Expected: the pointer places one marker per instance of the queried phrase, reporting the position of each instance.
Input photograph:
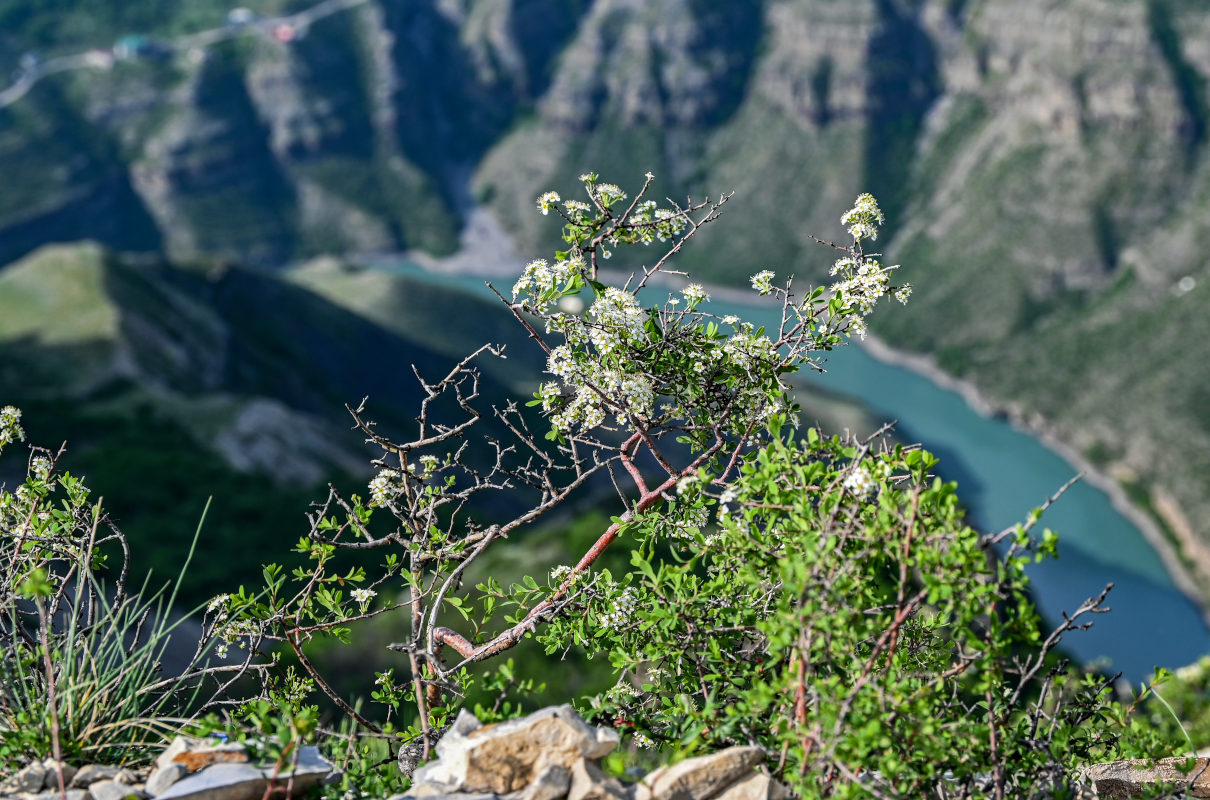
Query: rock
(220, 782)
(509, 756)
(52, 773)
(91, 773)
(197, 754)
(309, 771)
(28, 779)
(431, 789)
(164, 777)
(1130, 778)
(72, 794)
(551, 784)
(588, 782)
(703, 777)
(756, 786)
(115, 790)
(448, 795)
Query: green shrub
(820, 598)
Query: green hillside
(173, 385)
(1042, 165)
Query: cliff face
(1042, 164)
(356, 136)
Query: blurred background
(220, 223)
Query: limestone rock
(52, 773)
(53, 794)
(551, 784)
(509, 756)
(91, 773)
(1130, 778)
(309, 770)
(588, 782)
(220, 782)
(195, 754)
(756, 786)
(164, 777)
(703, 777)
(115, 790)
(29, 779)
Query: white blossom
(863, 219)
(762, 281)
(694, 294)
(860, 482)
(546, 201)
(10, 426)
(363, 595)
(384, 487)
(622, 610)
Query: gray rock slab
(219, 782)
(72, 794)
(164, 777)
(114, 790)
(91, 773)
(52, 773)
(310, 770)
(28, 779)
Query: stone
(431, 789)
(509, 756)
(310, 770)
(588, 782)
(703, 777)
(52, 773)
(164, 777)
(54, 794)
(29, 778)
(197, 754)
(115, 790)
(224, 781)
(91, 773)
(551, 784)
(1130, 778)
(756, 786)
(448, 796)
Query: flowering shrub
(812, 596)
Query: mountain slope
(171, 386)
(1043, 166)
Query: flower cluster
(607, 193)
(547, 201)
(686, 521)
(863, 218)
(385, 486)
(10, 426)
(763, 281)
(40, 467)
(694, 294)
(863, 284)
(862, 281)
(860, 482)
(363, 596)
(542, 279)
(623, 609)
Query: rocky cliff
(1043, 166)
